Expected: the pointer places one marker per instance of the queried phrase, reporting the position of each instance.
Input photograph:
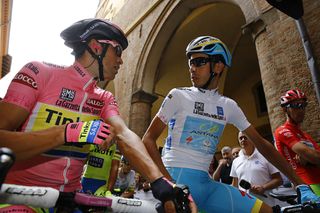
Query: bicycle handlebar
(46, 197)
(308, 207)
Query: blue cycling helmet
(211, 46)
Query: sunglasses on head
(201, 61)
(115, 45)
(297, 105)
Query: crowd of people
(67, 133)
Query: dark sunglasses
(198, 62)
(297, 105)
(115, 45)
(201, 61)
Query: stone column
(140, 115)
(272, 37)
(282, 65)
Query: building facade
(267, 50)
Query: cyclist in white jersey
(196, 117)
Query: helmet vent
(196, 48)
(208, 47)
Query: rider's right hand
(163, 190)
(92, 132)
(306, 194)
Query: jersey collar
(207, 91)
(86, 78)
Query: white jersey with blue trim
(196, 119)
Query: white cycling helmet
(211, 46)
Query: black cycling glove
(164, 190)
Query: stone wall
(279, 48)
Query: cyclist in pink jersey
(298, 147)
(51, 113)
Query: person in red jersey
(299, 148)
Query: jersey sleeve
(236, 116)
(111, 106)
(286, 136)
(169, 106)
(26, 85)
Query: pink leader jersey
(56, 95)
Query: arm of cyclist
(272, 155)
(135, 152)
(149, 139)
(113, 174)
(307, 154)
(12, 116)
(133, 149)
(235, 182)
(37, 142)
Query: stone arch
(168, 21)
(173, 19)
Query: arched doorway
(242, 81)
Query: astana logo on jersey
(201, 135)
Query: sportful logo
(80, 71)
(67, 94)
(84, 35)
(25, 79)
(33, 68)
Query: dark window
(260, 99)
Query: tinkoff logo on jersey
(89, 131)
(45, 116)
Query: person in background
(125, 182)
(222, 173)
(213, 165)
(101, 170)
(235, 151)
(143, 189)
(299, 149)
(252, 167)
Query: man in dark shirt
(222, 172)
